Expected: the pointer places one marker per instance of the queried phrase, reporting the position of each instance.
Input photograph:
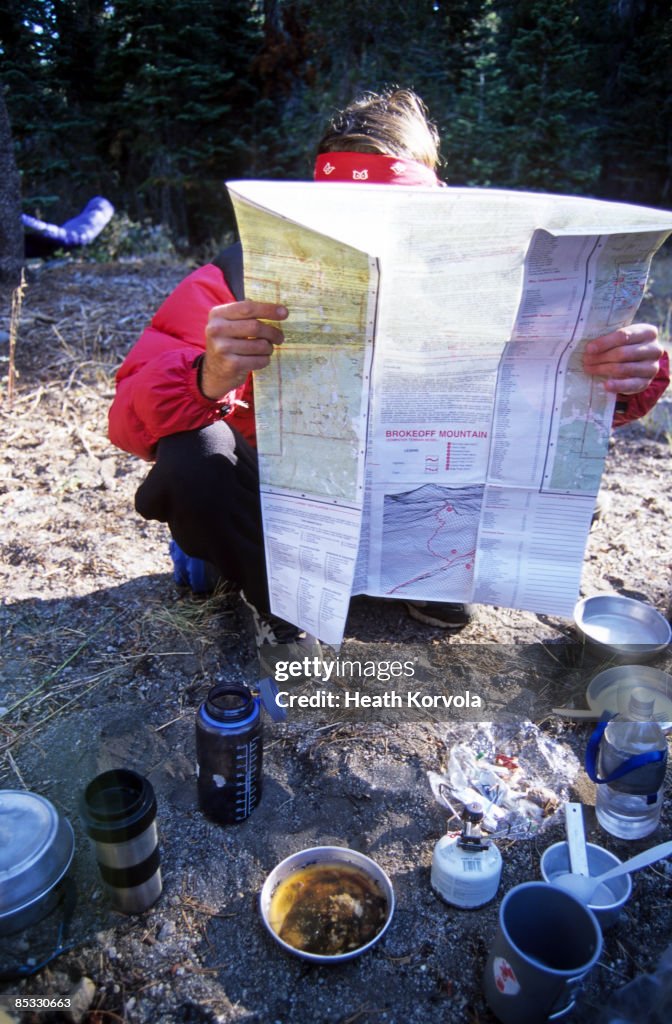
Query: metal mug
(546, 943)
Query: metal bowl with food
(622, 628)
(327, 904)
(36, 848)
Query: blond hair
(392, 123)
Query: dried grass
(70, 327)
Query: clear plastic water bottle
(629, 767)
(229, 751)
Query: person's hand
(237, 341)
(628, 358)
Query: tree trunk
(11, 229)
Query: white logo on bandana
(360, 175)
(328, 168)
(398, 168)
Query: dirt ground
(105, 661)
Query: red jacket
(157, 388)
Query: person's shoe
(271, 631)
(443, 614)
(280, 641)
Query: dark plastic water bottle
(229, 753)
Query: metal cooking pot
(621, 628)
(36, 848)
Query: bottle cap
(641, 704)
(268, 692)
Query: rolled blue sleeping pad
(79, 230)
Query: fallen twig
(14, 318)
(15, 767)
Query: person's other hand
(627, 359)
(238, 340)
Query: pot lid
(36, 848)
(610, 691)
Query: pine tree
(50, 58)
(474, 136)
(547, 114)
(177, 103)
(635, 131)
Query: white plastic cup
(555, 861)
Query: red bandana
(373, 168)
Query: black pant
(205, 486)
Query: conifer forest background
(155, 103)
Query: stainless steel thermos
(118, 809)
